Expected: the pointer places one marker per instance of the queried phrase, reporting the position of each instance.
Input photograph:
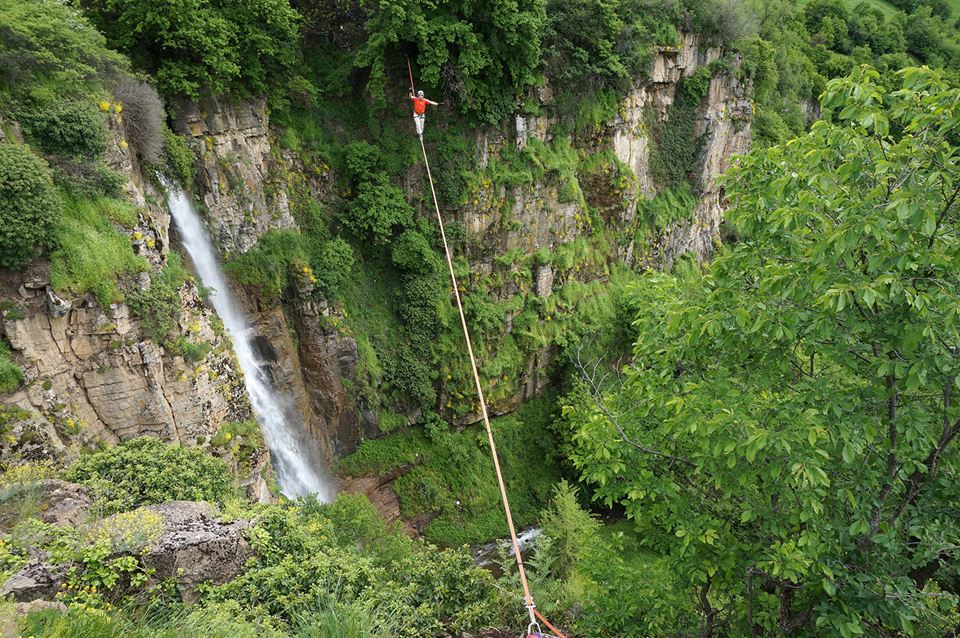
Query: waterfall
(278, 418)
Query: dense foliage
(29, 205)
(145, 471)
(786, 433)
(284, 257)
(452, 483)
(202, 47)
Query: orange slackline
(528, 597)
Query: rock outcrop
(181, 541)
(35, 581)
(63, 503)
(238, 177)
(195, 547)
(91, 375)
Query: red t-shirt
(419, 105)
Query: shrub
(72, 128)
(142, 117)
(266, 265)
(147, 471)
(179, 158)
(411, 252)
(332, 266)
(29, 206)
(343, 555)
(362, 161)
(569, 528)
(158, 307)
(11, 375)
(92, 179)
(378, 211)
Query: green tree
(378, 211)
(483, 54)
(45, 39)
(195, 47)
(787, 430)
(572, 530)
(29, 206)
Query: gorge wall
(92, 377)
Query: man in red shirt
(420, 110)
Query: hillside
(707, 253)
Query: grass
(453, 479)
(10, 373)
(369, 313)
(92, 255)
(212, 621)
(225, 620)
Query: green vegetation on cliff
(773, 434)
(448, 478)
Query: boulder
(64, 503)
(189, 546)
(35, 581)
(40, 605)
(195, 547)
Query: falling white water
(281, 425)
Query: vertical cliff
(94, 376)
(535, 238)
(539, 243)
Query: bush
(142, 117)
(11, 375)
(266, 266)
(378, 212)
(332, 266)
(29, 206)
(342, 555)
(570, 529)
(411, 252)
(93, 179)
(158, 307)
(362, 161)
(179, 158)
(147, 471)
(72, 128)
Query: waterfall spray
(281, 425)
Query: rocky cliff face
(247, 184)
(93, 377)
(237, 179)
(538, 218)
